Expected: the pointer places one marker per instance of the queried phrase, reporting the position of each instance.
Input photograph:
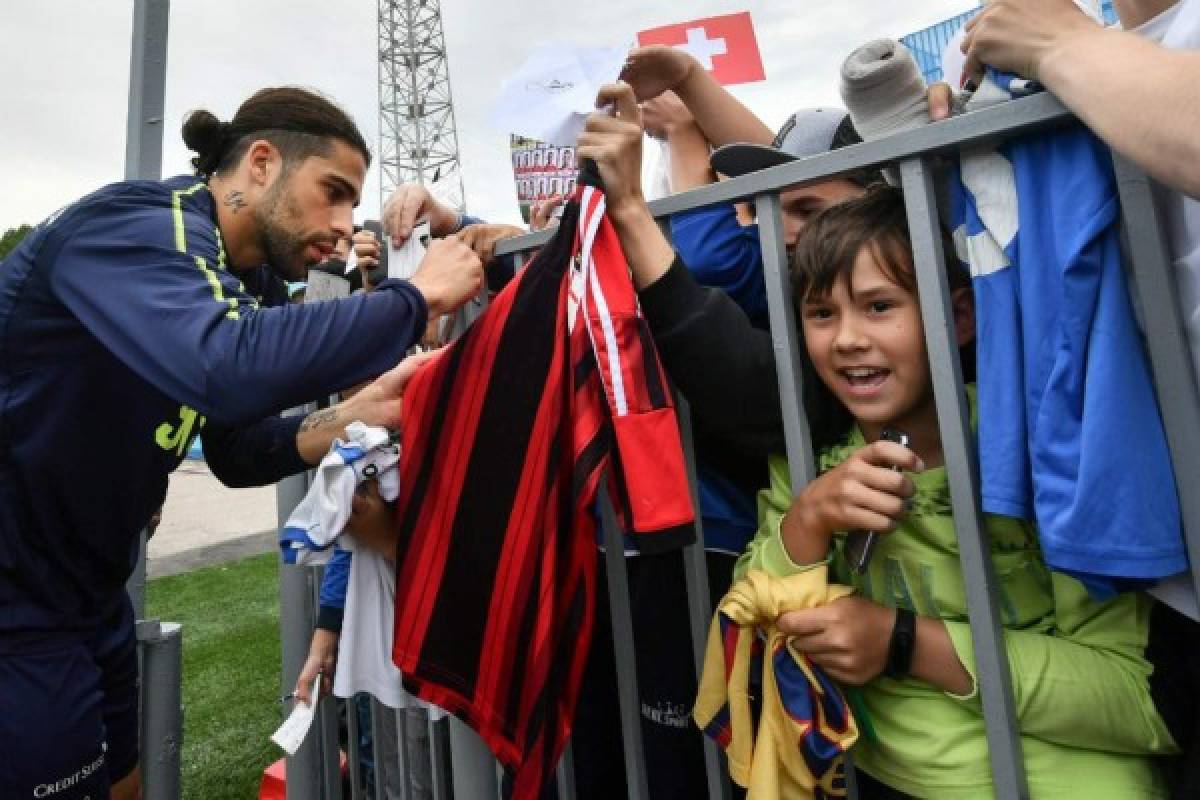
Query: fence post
(474, 773)
(1152, 281)
(161, 649)
(801, 464)
(304, 780)
(623, 651)
(974, 545)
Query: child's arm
(654, 69)
(866, 492)
(1083, 684)
(766, 552)
(850, 637)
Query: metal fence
(913, 153)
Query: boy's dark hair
(299, 122)
(825, 253)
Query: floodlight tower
(418, 141)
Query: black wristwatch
(904, 641)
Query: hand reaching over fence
(720, 116)
(322, 658)
(412, 203)
(542, 215)
(658, 68)
(482, 238)
(378, 403)
(615, 144)
(366, 255)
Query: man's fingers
(972, 70)
(394, 380)
(409, 210)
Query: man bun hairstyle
(204, 134)
(298, 122)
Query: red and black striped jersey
(507, 436)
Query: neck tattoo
(235, 200)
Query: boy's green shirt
(1078, 671)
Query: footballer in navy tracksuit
(123, 336)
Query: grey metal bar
(695, 574)
(1152, 280)
(387, 727)
(801, 465)
(474, 766)
(785, 339)
(353, 756)
(326, 724)
(143, 154)
(700, 604)
(524, 244)
(564, 776)
(995, 686)
(161, 723)
(439, 758)
(295, 629)
(626, 661)
(1004, 120)
(147, 86)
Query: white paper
(656, 177)
(404, 260)
(953, 60)
(552, 93)
(293, 730)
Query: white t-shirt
(1178, 28)
(364, 662)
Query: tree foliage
(11, 238)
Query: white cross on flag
(725, 45)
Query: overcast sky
(64, 73)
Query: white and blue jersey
(1069, 429)
(123, 334)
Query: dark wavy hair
(298, 122)
(825, 253)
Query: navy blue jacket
(123, 335)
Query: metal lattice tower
(418, 141)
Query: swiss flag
(724, 45)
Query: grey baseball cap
(808, 132)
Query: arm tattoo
(236, 200)
(318, 419)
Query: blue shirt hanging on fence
(1069, 429)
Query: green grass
(231, 661)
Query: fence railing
(913, 153)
